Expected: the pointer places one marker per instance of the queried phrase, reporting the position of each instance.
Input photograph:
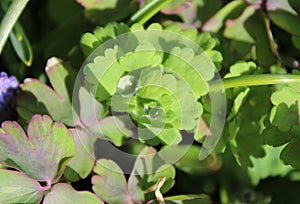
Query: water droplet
(157, 113)
(127, 85)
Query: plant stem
(148, 11)
(9, 20)
(255, 80)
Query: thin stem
(148, 11)
(255, 80)
(9, 20)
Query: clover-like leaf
(43, 154)
(16, 187)
(57, 103)
(64, 193)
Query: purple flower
(7, 86)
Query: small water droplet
(127, 85)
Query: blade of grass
(10, 19)
(255, 80)
(148, 11)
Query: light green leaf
(268, 166)
(235, 29)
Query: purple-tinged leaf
(215, 23)
(176, 7)
(16, 187)
(64, 193)
(283, 14)
(42, 155)
(91, 111)
(110, 183)
(56, 101)
(235, 29)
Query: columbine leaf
(16, 187)
(64, 193)
(216, 22)
(110, 183)
(57, 102)
(235, 29)
(114, 129)
(83, 161)
(282, 14)
(147, 171)
(42, 155)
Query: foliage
(132, 101)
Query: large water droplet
(127, 85)
(157, 114)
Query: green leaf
(268, 166)
(188, 199)
(16, 187)
(109, 182)
(235, 29)
(287, 95)
(289, 154)
(274, 137)
(21, 44)
(42, 155)
(190, 162)
(98, 11)
(114, 129)
(105, 71)
(283, 15)
(57, 102)
(284, 117)
(64, 193)
(215, 23)
(147, 171)
(83, 161)
(258, 27)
